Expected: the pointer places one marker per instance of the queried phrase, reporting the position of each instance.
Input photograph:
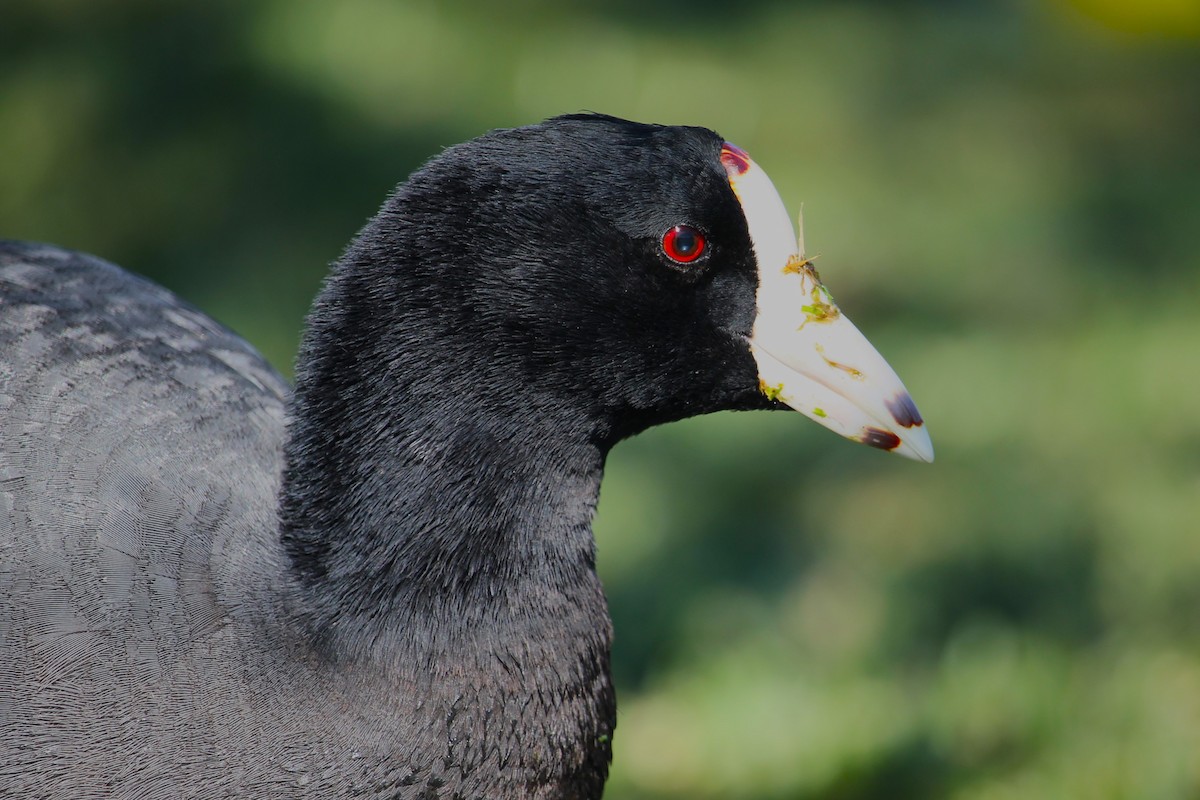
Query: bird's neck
(470, 587)
(437, 516)
(464, 527)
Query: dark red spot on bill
(904, 410)
(877, 437)
(735, 159)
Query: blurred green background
(1006, 196)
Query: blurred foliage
(1008, 197)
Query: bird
(381, 582)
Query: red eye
(683, 244)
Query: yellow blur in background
(1175, 18)
(1006, 199)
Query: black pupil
(686, 242)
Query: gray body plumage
(147, 643)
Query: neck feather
(437, 508)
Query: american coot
(393, 595)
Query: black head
(510, 313)
(533, 261)
(546, 290)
